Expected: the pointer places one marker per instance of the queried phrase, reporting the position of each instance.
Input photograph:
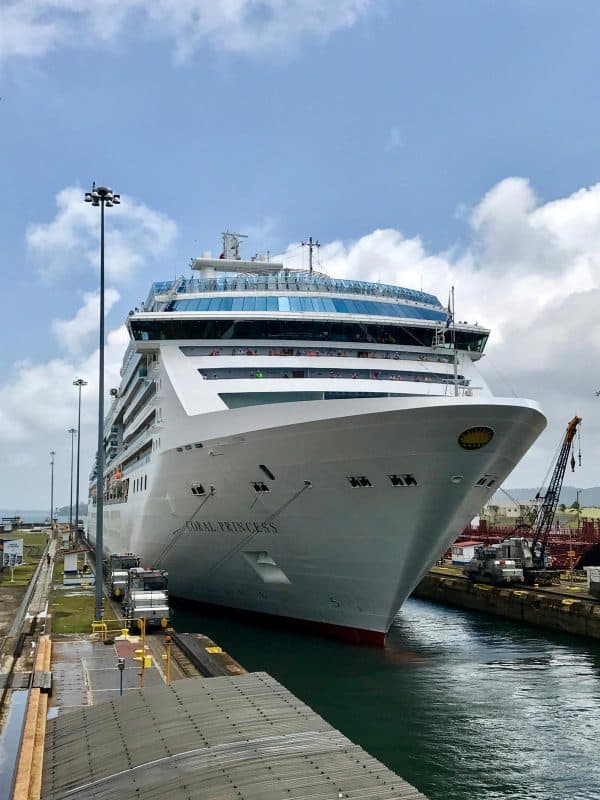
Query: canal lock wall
(572, 615)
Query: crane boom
(545, 515)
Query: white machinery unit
(501, 563)
(147, 597)
(118, 569)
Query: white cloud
(25, 32)
(40, 398)
(37, 407)
(133, 234)
(74, 334)
(32, 28)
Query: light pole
(52, 454)
(100, 196)
(79, 383)
(72, 431)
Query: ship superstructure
(289, 443)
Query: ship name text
(229, 526)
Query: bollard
(121, 667)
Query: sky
(426, 144)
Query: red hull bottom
(342, 632)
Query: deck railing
(285, 282)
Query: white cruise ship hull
(313, 548)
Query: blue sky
(331, 118)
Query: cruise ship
(288, 443)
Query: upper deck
(164, 293)
(232, 298)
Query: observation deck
(164, 293)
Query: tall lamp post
(100, 196)
(72, 431)
(78, 383)
(52, 454)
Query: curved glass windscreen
(286, 281)
(331, 305)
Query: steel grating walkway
(238, 738)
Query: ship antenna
(311, 245)
(231, 245)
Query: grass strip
(73, 609)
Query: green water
(461, 705)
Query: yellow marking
(483, 586)
(100, 627)
(568, 601)
(214, 650)
(519, 592)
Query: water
(10, 740)
(461, 705)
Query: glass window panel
(226, 303)
(272, 304)
(238, 304)
(295, 304)
(318, 304)
(214, 304)
(328, 304)
(249, 303)
(340, 306)
(261, 304)
(284, 303)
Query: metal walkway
(238, 738)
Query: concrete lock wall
(570, 615)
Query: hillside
(63, 511)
